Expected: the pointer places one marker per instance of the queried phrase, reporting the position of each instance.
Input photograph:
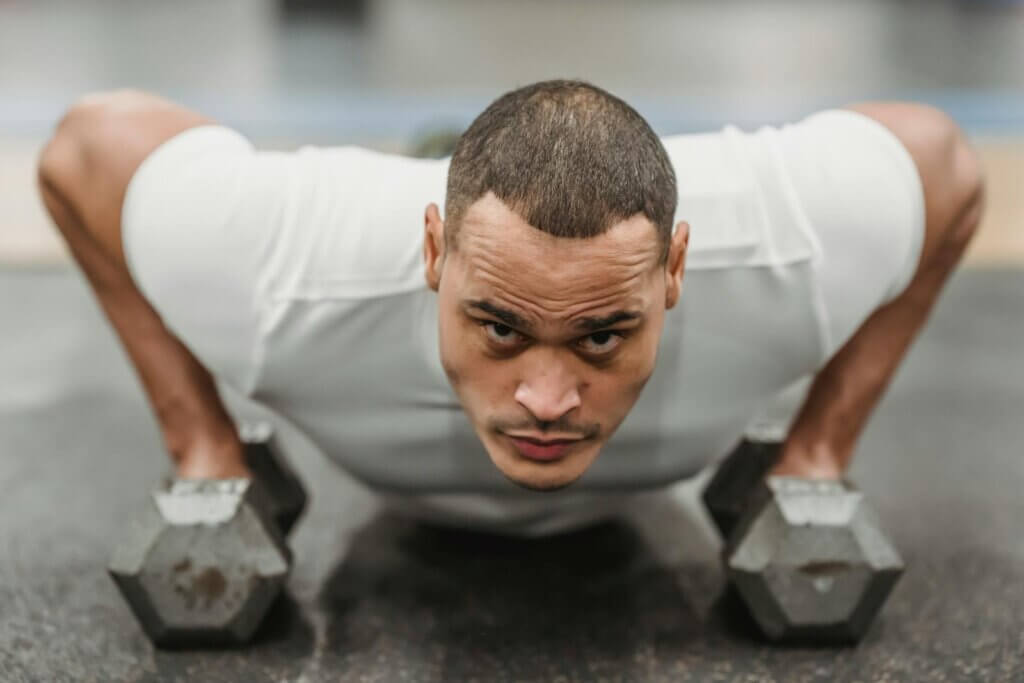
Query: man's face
(548, 341)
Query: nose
(549, 393)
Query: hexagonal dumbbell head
(287, 495)
(738, 476)
(203, 564)
(811, 562)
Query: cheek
(613, 394)
(646, 356)
(450, 371)
(622, 387)
(468, 370)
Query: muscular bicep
(98, 146)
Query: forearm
(197, 430)
(844, 393)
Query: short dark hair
(567, 156)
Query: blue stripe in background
(362, 115)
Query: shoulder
(747, 193)
(949, 169)
(100, 143)
(352, 221)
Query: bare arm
(844, 393)
(84, 172)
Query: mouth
(543, 450)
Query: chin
(541, 485)
(542, 477)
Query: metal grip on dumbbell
(287, 497)
(731, 488)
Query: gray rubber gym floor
(376, 598)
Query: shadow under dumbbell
(282, 644)
(731, 615)
(411, 593)
(283, 628)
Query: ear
(676, 259)
(433, 245)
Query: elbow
(947, 145)
(66, 153)
(57, 164)
(974, 204)
(63, 153)
(953, 173)
(963, 163)
(974, 176)
(950, 168)
(58, 154)
(967, 187)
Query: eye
(501, 334)
(602, 342)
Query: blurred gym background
(388, 73)
(79, 446)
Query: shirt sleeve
(859, 191)
(217, 233)
(196, 222)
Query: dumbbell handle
(283, 492)
(180, 501)
(262, 457)
(770, 488)
(738, 476)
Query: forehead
(501, 255)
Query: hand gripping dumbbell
(807, 557)
(207, 557)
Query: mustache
(561, 426)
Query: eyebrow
(513, 319)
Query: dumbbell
(807, 557)
(207, 557)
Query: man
(544, 320)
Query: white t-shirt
(297, 277)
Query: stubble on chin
(556, 481)
(543, 487)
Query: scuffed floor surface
(378, 598)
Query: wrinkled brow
(513, 319)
